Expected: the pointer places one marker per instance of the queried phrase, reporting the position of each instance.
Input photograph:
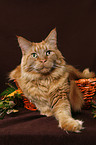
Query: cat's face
(41, 57)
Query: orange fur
(43, 77)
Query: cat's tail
(76, 74)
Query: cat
(48, 81)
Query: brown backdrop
(75, 21)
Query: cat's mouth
(44, 70)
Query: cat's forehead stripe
(40, 47)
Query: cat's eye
(34, 55)
(48, 52)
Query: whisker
(58, 66)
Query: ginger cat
(48, 81)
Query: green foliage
(8, 91)
(5, 105)
(9, 104)
(94, 106)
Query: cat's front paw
(71, 125)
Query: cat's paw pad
(72, 125)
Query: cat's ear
(24, 44)
(52, 38)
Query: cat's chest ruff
(44, 85)
(47, 86)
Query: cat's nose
(43, 60)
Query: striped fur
(44, 78)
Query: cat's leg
(75, 97)
(48, 113)
(76, 74)
(62, 112)
(88, 74)
(44, 109)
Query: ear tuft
(52, 38)
(24, 44)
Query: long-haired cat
(48, 81)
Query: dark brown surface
(30, 128)
(75, 21)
